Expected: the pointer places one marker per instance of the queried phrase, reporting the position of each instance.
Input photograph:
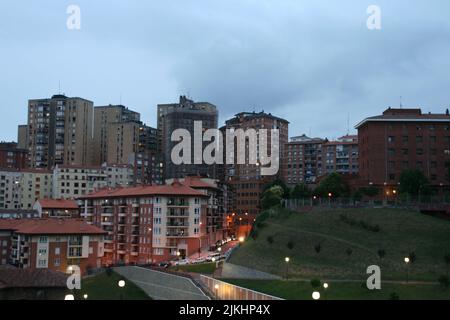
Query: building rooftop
(174, 189)
(11, 277)
(406, 115)
(305, 139)
(57, 204)
(50, 227)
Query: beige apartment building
(123, 141)
(59, 131)
(104, 116)
(35, 185)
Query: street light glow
(407, 260)
(121, 283)
(241, 239)
(69, 297)
(325, 285)
(216, 287)
(85, 296)
(287, 259)
(316, 295)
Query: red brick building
(51, 244)
(148, 224)
(245, 180)
(12, 157)
(402, 139)
(341, 156)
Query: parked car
(215, 256)
(182, 262)
(199, 260)
(164, 265)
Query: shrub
(394, 296)
(315, 283)
(444, 281)
(270, 239)
(349, 252)
(290, 245)
(381, 253)
(412, 257)
(254, 234)
(318, 248)
(109, 271)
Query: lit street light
(287, 260)
(325, 285)
(241, 239)
(69, 297)
(121, 285)
(85, 296)
(407, 260)
(316, 295)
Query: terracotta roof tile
(50, 226)
(11, 277)
(58, 204)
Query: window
(57, 251)
(419, 139)
(419, 152)
(43, 239)
(405, 152)
(57, 262)
(42, 263)
(391, 152)
(391, 139)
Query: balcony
(178, 224)
(177, 234)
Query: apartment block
(10, 189)
(403, 139)
(60, 131)
(70, 182)
(13, 157)
(57, 209)
(149, 223)
(104, 117)
(123, 141)
(50, 244)
(22, 137)
(341, 156)
(245, 180)
(34, 185)
(182, 115)
(303, 160)
(118, 175)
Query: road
(162, 286)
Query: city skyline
(150, 54)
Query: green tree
(414, 183)
(272, 197)
(334, 184)
(280, 183)
(300, 191)
(370, 191)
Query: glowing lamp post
(316, 295)
(407, 261)
(287, 260)
(121, 285)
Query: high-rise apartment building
(104, 117)
(123, 141)
(182, 115)
(22, 137)
(404, 139)
(245, 180)
(60, 131)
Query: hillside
(349, 241)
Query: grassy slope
(204, 268)
(294, 290)
(401, 233)
(103, 287)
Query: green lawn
(295, 290)
(104, 287)
(204, 268)
(347, 250)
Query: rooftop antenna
(120, 99)
(348, 123)
(401, 103)
(59, 86)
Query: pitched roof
(11, 277)
(50, 226)
(174, 189)
(58, 204)
(197, 182)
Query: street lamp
(121, 285)
(316, 295)
(219, 249)
(287, 260)
(85, 296)
(69, 297)
(407, 261)
(241, 239)
(325, 286)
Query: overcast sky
(312, 62)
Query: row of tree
(413, 183)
